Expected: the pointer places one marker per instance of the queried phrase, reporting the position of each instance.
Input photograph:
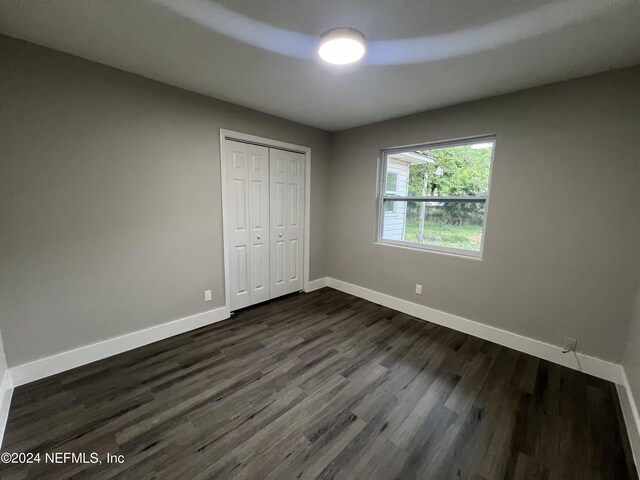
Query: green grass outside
(467, 237)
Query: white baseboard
(44, 367)
(6, 391)
(630, 414)
(317, 284)
(553, 353)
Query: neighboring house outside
(395, 213)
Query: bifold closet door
(287, 221)
(247, 206)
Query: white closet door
(237, 193)
(247, 197)
(259, 222)
(287, 221)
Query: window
(435, 196)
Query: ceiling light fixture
(341, 46)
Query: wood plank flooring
(322, 385)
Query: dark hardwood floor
(322, 385)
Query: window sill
(463, 254)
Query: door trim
(264, 142)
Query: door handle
(259, 237)
(280, 235)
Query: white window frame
(382, 196)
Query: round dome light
(341, 46)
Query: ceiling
(422, 54)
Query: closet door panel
(259, 223)
(238, 222)
(287, 220)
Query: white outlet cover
(207, 295)
(418, 289)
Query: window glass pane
(461, 170)
(443, 224)
(394, 219)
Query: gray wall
(110, 199)
(562, 220)
(5, 392)
(3, 366)
(632, 369)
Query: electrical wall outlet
(418, 289)
(207, 295)
(570, 345)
